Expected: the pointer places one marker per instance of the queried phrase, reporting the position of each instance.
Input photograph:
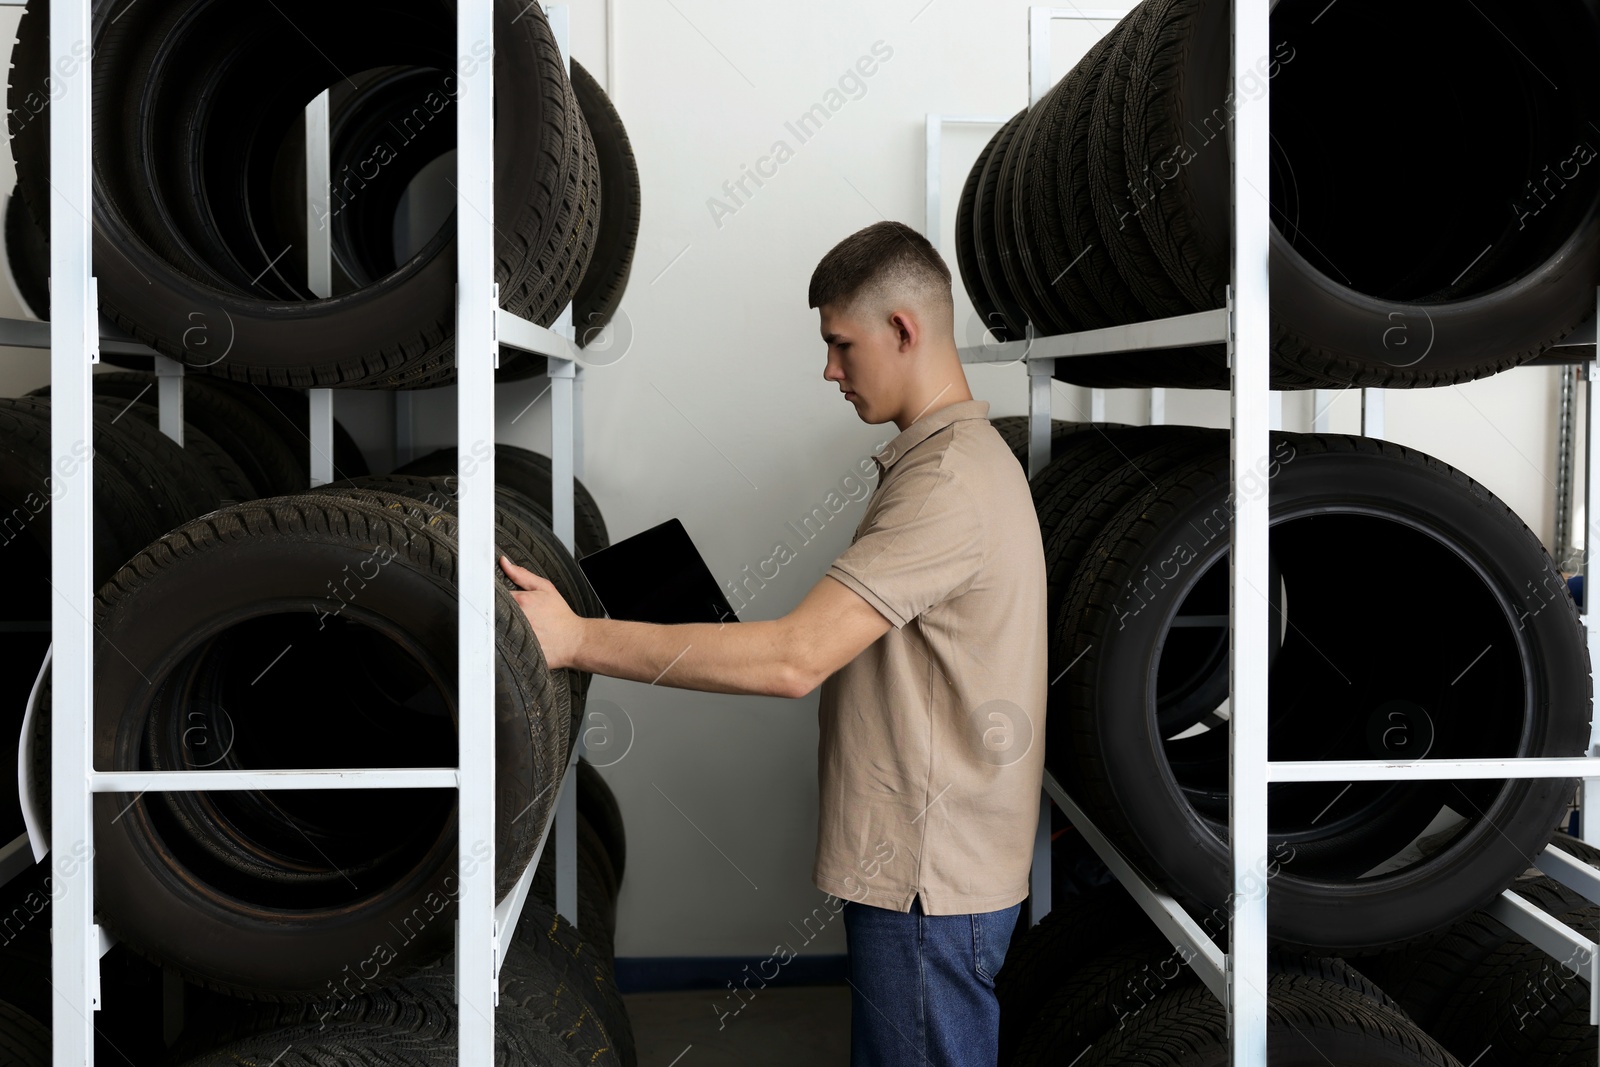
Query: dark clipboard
(656, 576)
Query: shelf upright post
(1589, 790)
(1321, 401)
(169, 396)
(74, 346)
(1041, 375)
(319, 274)
(477, 307)
(563, 459)
(562, 380)
(1372, 413)
(319, 198)
(319, 407)
(1249, 347)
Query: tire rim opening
(241, 701)
(1431, 230)
(1394, 648)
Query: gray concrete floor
(777, 1027)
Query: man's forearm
(735, 657)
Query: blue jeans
(922, 986)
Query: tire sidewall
(160, 906)
(1477, 865)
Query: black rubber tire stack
(598, 805)
(186, 236)
(287, 413)
(1041, 956)
(523, 531)
(207, 553)
(410, 1021)
(265, 431)
(1317, 1011)
(528, 473)
(27, 257)
(127, 1025)
(175, 484)
(1135, 522)
(558, 982)
(598, 886)
(1014, 430)
(1489, 995)
(270, 895)
(24, 1042)
(600, 293)
(558, 1008)
(1107, 202)
(1097, 982)
(1137, 539)
(143, 486)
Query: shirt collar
(927, 426)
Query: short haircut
(882, 266)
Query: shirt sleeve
(924, 546)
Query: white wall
(718, 412)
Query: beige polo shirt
(931, 753)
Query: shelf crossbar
(1429, 770)
(525, 335)
(1565, 945)
(1195, 948)
(509, 910)
(1177, 331)
(234, 780)
(1575, 874)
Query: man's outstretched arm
(779, 657)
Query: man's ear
(905, 328)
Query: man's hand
(558, 628)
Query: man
(928, 637)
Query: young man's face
(862, 360)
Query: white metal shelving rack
(1239, 977)
(74, 340)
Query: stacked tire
(1137, 525)
(241, 443)
(282, 896)
(1490, 995)
(210, 553)
(1013, 430)
(199, 165)
(144, 485)
(559, 1002)
(1095, 983)
(1107, 202)
(1413, 615)
(314, 630)
(269, 894)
